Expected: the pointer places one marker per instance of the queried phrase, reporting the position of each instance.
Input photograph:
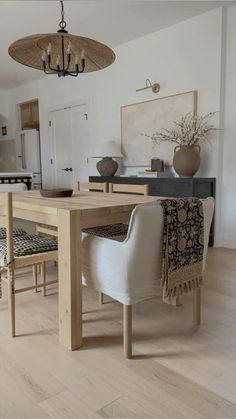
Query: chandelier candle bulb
(68, 48)
(77, 59)
(49, 48)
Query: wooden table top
(79, 201)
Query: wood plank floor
(178, 371)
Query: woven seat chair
(16, 187)
(20, 252)
(51, 230)
(118, 230)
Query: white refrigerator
(28, 155)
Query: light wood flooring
(178, 371)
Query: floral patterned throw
(183, 246)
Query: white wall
(227, 233)
(4, 102)
(186, 56)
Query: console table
(174, 187)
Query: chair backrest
(128, 188)
(95, 186)
(12, 187)
(143, 245)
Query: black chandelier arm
(73, 74)
(76, 72)
(48, 69)
(49, 72)
(56, 70)
(83, 65)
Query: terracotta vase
(186, 160)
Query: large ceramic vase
(186, 160)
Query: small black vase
(107, 166)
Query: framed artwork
(149, 117)
(4, 130)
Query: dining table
(70, 215)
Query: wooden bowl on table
(56, 193)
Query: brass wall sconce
(155, 87)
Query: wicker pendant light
(61, 53)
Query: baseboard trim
(225, 242)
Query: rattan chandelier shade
(28, 51)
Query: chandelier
(61, 53)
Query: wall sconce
(155, 87)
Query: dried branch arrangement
(188, 131)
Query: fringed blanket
(183, 245)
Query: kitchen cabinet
(29, 113)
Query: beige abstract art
(149, 117)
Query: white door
(71, 145)
(80, 142)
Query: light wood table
(70, 215)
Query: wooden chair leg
(43, 279)
(35, 277)
(197, 306)
(127, 330)
(11, 301)
(101, 298)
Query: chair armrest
(100, 256)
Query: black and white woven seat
(17, 232)
(108, 231)
(26, 245)
(117, 231)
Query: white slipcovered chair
(130, 271)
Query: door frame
(66, 105)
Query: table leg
(69, 271)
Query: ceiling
(110, 21)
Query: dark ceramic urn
(107, 166)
